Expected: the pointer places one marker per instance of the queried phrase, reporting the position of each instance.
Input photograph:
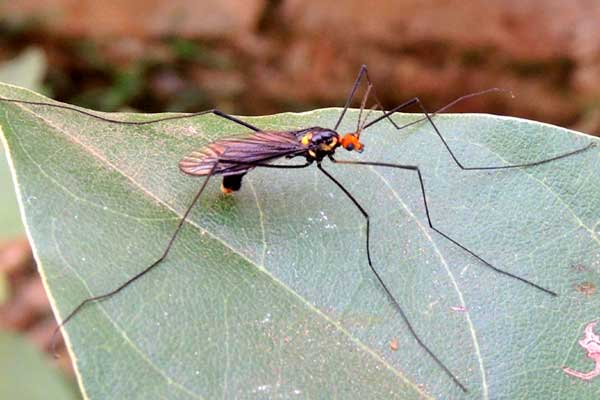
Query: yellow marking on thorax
(329, 146)
(306, 139)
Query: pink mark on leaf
(591, 343)
(458, 308)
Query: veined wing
(235, 154)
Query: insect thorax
(320, 142)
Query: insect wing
(236, 155)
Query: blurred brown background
(259, 56)
(253, 57)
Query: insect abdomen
(232, 183)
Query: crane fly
(232, 158)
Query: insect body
(235, 157)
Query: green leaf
(26, 375)
(267, 293)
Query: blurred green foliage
(26, 70)
(27, 375)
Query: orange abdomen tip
(226, 190)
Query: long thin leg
(167, 249)
(424, 196)
(363, 72)
(152, 121)
(141, 273)
(384, 286)
(439, 110)
(415, 100)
